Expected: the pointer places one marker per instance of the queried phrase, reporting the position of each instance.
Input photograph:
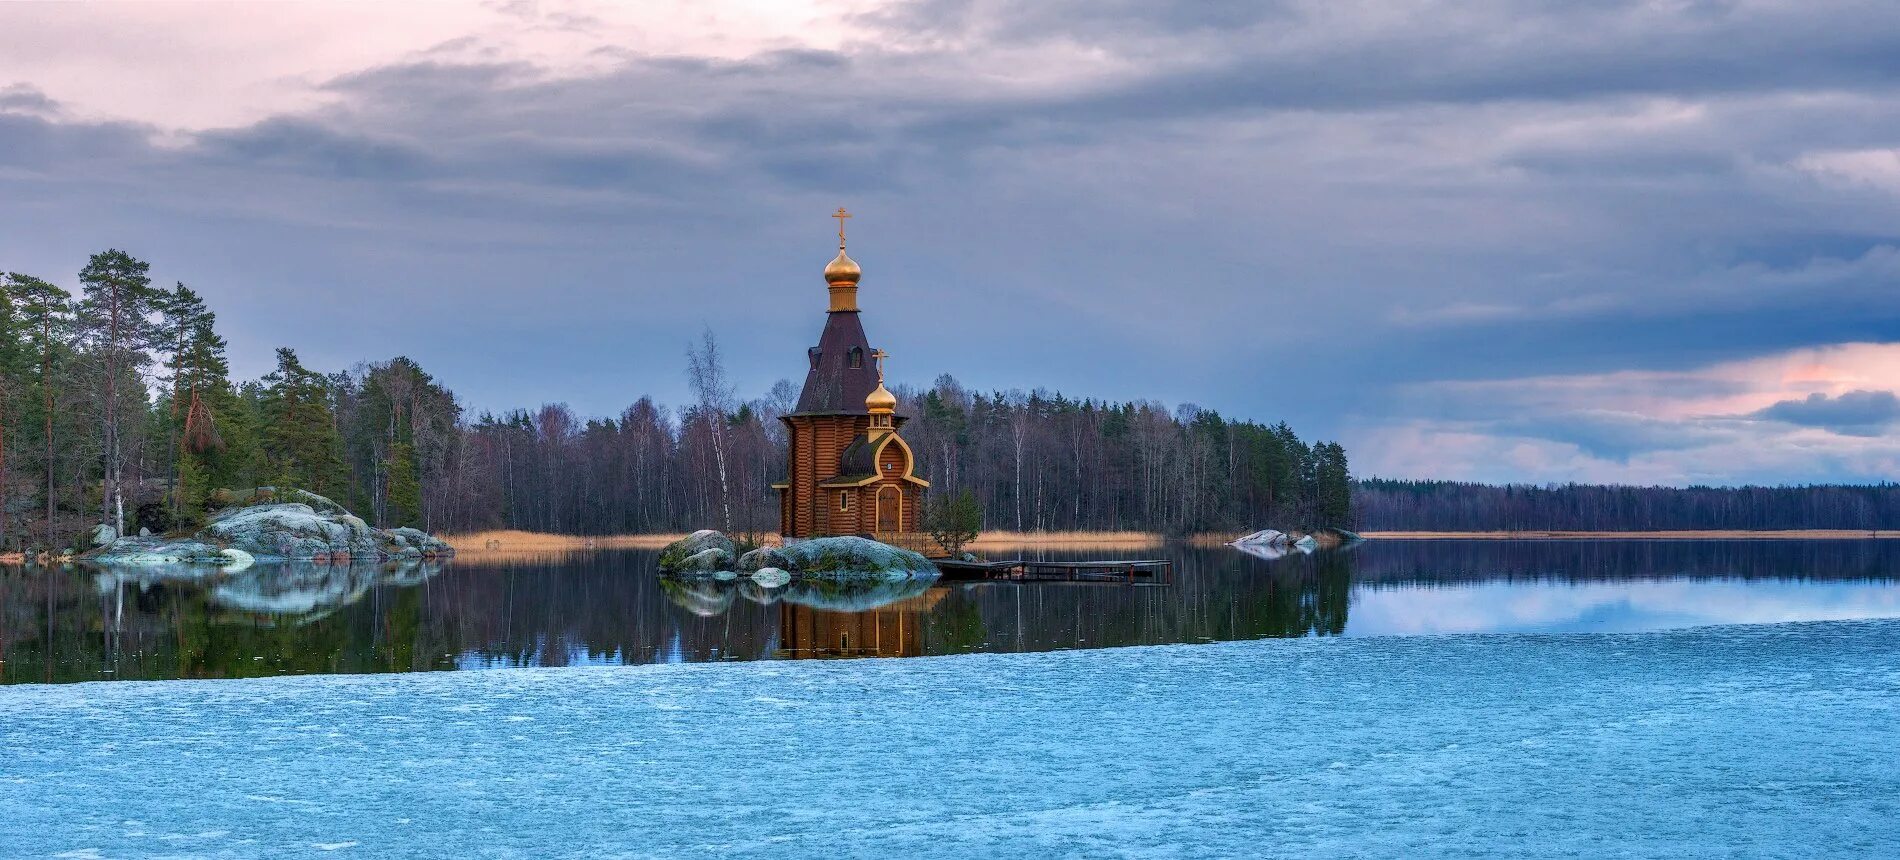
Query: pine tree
(115, 314)
(196, 371)
(301, 445)
(404, 491)
(46, 315)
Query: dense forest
(1380, 505)
(117, 406)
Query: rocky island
(708, 553)
(268, 524)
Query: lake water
(1537, 700)
(610, 608)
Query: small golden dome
(881, 400)
(842, 270)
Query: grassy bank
(534, 543)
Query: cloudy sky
(1655, 242)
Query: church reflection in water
(610, 607)
(894, 630)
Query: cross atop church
(841, 215)
(879, 355)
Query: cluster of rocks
(267, 524)
(1271, 544)
(708, 553)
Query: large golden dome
(842, 270)
(880, 400)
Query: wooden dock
(1118, 572)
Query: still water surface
(610, 608)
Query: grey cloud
(1617, 436)
(1242, 197)
(25, 98)
(1855, 413)
(309, 147)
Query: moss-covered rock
(853, 556)
(762, 558)
(677, 554)
(771, 577)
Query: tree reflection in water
(610, 607)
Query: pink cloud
(1645, 427)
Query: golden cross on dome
(879, 355)
(841, 215)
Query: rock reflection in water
(291, 592)
(300, 592)
(708, 597)
(608, 607)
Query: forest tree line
(117, 406)
(1388, 505)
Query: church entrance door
(890, 511)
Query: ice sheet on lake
(1746, 741)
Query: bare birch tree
(706, 373)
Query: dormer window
(815, 354)
(857, 358)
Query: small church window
(857, 358)
(844, 500)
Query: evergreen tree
(301, 445)
(404, 490)
(1333, 484)
(196, 371)
(116, 318)
(46, 316)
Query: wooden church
(850, 471)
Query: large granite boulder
(852, 556)
(273, 525)
(413, 543)
(762, 558)
(156, 552)
(708, 552)
(703, 551)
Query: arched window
(857, 358)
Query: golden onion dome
(842, 270)
(880, 400)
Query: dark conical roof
(833, 385)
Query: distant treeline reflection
(608, 607)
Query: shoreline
(512, 542)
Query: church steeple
(848, 469)
(881, 403)
(841, 373)
(842, 274)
